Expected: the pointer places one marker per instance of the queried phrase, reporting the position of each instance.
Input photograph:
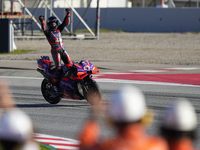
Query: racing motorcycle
(75, 82)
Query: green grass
(108, 31)
(46, 147)
(23, 51)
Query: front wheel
(92, 93)
(47, 93)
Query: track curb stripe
(57, 142)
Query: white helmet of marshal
(180, 116)
(127, 105)
(16, 125)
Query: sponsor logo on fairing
(86, 67)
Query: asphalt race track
(66, 118)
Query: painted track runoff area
(168, 76)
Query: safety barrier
(7, 36)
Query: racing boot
(55, 84)
(72, 71)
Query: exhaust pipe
(44, 74)
(40, 71)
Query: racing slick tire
(47, 93)
(92, 90)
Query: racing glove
(41, 18)
(68, 10)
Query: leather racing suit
(58, 50)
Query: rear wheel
(92, 93)
(47, 93)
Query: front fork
(85, 82)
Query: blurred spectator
(128, 113)
(179, 125)
(6, 99)
(162, 4)
(16, 127)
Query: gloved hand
(41, 18)
(68, 10)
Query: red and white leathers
(58, 50)
(131, 137)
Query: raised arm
(43, 25)
(66, 20)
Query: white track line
(143, 82)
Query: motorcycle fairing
(84, 68)
(75, 80)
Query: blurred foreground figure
(16, 127)
(128, 113)
(179, 125)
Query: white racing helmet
(180, 116)
(127, 105)
(16, 125)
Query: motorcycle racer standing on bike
(58, 51)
